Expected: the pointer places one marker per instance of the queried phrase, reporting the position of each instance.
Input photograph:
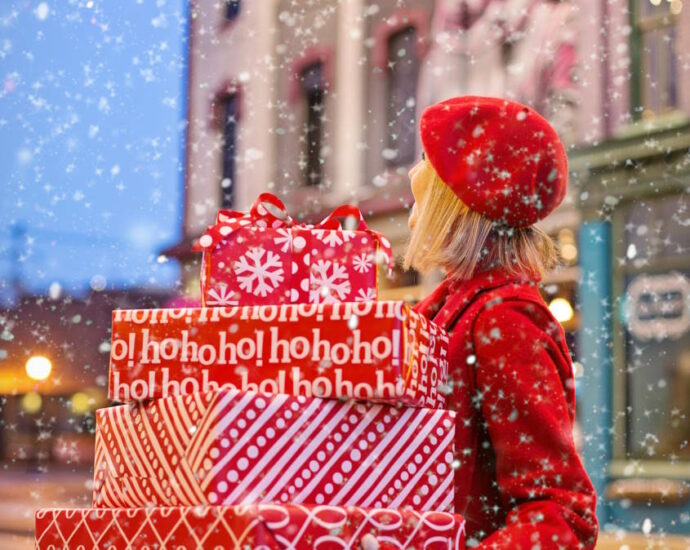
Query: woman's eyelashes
(414, 170)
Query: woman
(491, 169)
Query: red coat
(520, 482)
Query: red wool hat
(501, 158)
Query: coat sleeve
(524, 386)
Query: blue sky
(92, 99)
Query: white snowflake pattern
(221, 296)
(362, 263)
(257, 274)
(366, 295)
(333, 237)
(329, 282)
(284, 239)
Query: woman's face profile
(420, 177)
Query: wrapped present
(260, 526)
(240, 448)
(380, 351)
(265, 257)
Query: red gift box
(261, 258)
(259, 526)
(240, 448)
(381, 351)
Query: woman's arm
(521, 376)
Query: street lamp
(38, 367)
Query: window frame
(230, 14)
(639, 26)
(399, 160)
(320, 91)
(622, 463)
(224, 100)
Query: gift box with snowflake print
(265, 257)
(379, 351)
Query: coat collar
(450, 297)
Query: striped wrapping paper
(240, 448)
(264, 526)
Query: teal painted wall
(594, 345)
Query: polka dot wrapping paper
(379, 351)
(259, 258)
(264, 526)
(240, 448)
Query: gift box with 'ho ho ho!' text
(379, 351)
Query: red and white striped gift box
(239, 448)
(264, 526)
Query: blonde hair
(447, 234)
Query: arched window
(313, 89)
(402, 70)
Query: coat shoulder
(512, 320)
(517, 306)
(518, 302)
(519, 322)
(524, 332)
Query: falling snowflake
(284, 240)
(257, 274)
(362, 263)
(366, 295)
(332, 237)
(329, 282)
(221, 296)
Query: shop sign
(657, 307)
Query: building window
(313, 89)
(229, 127)
(402, 69)
(232, 9)
(655, 86)
(654, 351)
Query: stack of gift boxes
(294, 410)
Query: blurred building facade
(318, 102)
(47, 410)
(632, 177)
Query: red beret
(501, 158)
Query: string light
(81, 403)
(32, 402)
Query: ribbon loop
(259, 211)
(262, 215)
(351, 211)
(344, 211)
